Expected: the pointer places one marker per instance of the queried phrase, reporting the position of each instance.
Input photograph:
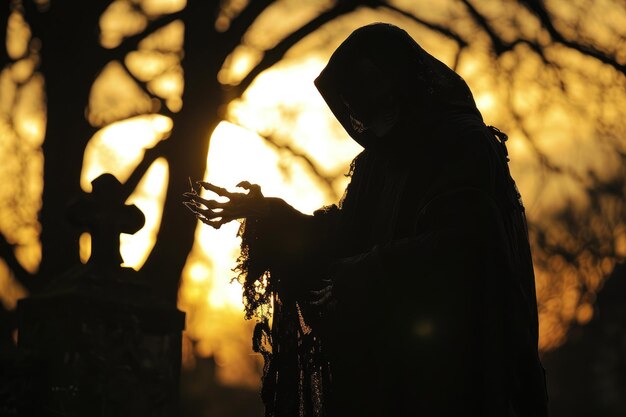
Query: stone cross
(102, 344)
(105, 215)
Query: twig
(132, 42)
(498, 44)
(539, 10)
(241, 23)
(21, 275)
(430, 25)
(275, 54)
(140, 170)
(326, 179)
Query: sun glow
(119, 147)
(149, 197)
(236, 154)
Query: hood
(379, 82)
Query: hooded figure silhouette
(415, 295)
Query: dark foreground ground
(586, 376)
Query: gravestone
(103, 344)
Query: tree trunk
(5, 12)
(187, 148)
(70, 62)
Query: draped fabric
(434, 307)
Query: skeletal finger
(326, 298)
(200, 211)
(209, 203)
(192, 207)
(218, 222)
(214, 223)
(229, 213)
(191, 187)
(208, 222)
(253, 188)
(189, 207)
(217, 190)
(189, 199)
(322, 296)
(213, 214)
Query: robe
(433, 308)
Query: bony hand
(352, 282)
(325, 297)
(239, 205)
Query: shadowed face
(368, 95)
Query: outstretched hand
(238, 206)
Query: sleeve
(285, 246)
(287, 236)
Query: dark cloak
(434, 310)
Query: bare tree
(510, 33)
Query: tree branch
(140, 170)
(132, 42)
(499, 45)
(140, 83)
(241, 23)
(21, 275)
(544, 160)
(536, 47)
(275, 54)
(36, 18)
(164, 111)
(327, 180)
(5, 12)
(457, 59)
(539, 10)
(432, 26)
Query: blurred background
(157, 91)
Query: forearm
(282, 232)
